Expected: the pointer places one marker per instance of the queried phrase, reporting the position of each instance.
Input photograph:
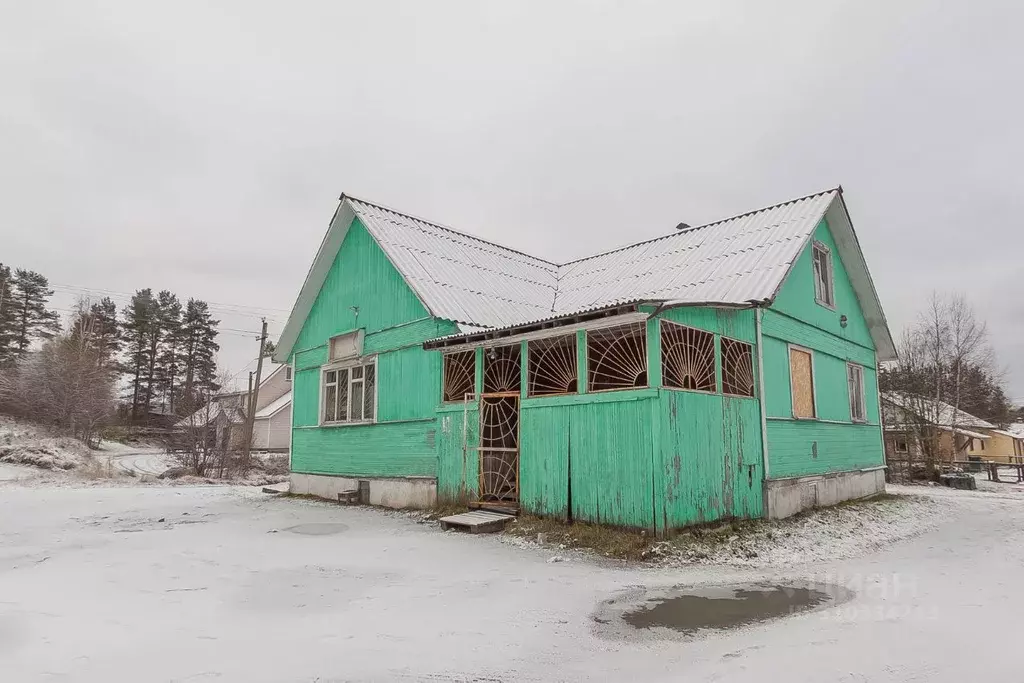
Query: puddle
(681, 611)
(317, 529)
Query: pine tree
(97, 326)
(169, 348)
(139, 319)
(199, 348)
(29, 295)
(6, 314)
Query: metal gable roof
(737, 261)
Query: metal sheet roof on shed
(741, 260)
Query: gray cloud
(201, 148)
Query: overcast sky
(201, 146)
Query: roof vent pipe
(683, 226)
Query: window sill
(825, 304)
(359, 423)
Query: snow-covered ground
(227, 584)
(25, 443)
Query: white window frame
(348, 364)
(814, 381)
(858, 370)
(826, 298)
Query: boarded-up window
(346, 346)
(552, 366)
(687, 357)
(459, 375)
(855, 382)
(824, 291)
(617, 357)
(737, 368)
(501, 369)
(801, 379)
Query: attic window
(617, 357)
(687, 357)
(552, 366)
(737, 368)
(459, 375)
(824, 287)
(501, 370)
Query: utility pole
(254, 395)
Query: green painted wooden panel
(611, 462)
(408, 384)
(803, 447)
(710, 461)
(796, 297)
(306, 398)
(311, 358)
(458, 467)
(408, 334)
(544, 463)
(361, 277)
(380, 450)
(777, 394)
(738, 324)
(781, 326)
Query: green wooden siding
(738, 324)
(796, 297)
(544, 462)
(710, 464)
(364, 291)
(363, 278)
(832, 442)
(458, 464)
(381, 450)
(803, 447)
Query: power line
(127, 297)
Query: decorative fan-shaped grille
(617, 357)
(737, 368)
(459, 375)
(499, 448)
(552, 366)
(687, 357)
(501, 369)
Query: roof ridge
(837, 189)
(448, 229)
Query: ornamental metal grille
(459, 375)
(552, 367)
(737, 367)
(501, 370)
(687, 357)
(617, 357)
(499, 449)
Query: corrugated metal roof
(459, 277)
(469, 280)
(473, 282)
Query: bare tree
(61, 385)
(930, 378)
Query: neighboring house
(227, 411)
(958, 435)
(726, 370)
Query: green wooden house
(725, 370)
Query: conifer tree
(138, 320)
(30, 293)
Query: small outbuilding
(724, 370)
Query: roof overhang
(599, 317)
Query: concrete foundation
(398, 492)
(786, 497)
